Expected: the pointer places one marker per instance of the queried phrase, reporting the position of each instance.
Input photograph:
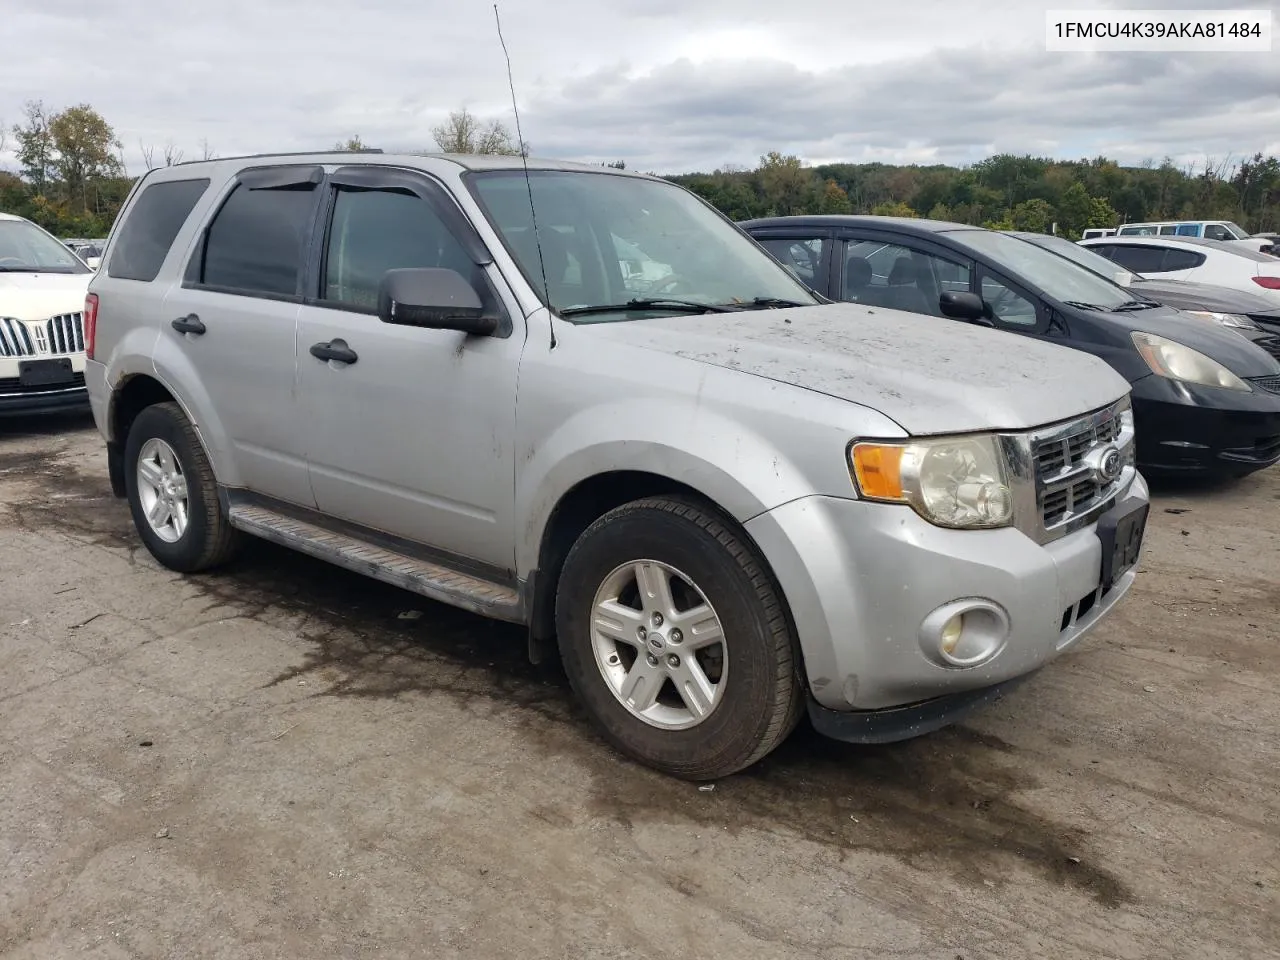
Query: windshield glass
(1058, 277)
(25, 248)
(1238, 231)
(1085, 257)
(608, 239)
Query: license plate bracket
(1121, 531)
(45, 373)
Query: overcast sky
(666, 85)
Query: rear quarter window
(150, 227)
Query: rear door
(229, 337)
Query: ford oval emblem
(1109, 464)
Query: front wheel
(676, 640)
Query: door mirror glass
(434, 297)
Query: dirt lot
(273, 762)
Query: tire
(755, 697)
(163, 433)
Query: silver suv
(581, 400)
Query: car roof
(11, 216)
(916, 225)
(377, 157)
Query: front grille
(1270, 384)
(1067, 482)
(15, 339)
(66, 333)
(12, 385)
(57, 336)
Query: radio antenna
(528, 183)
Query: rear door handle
(333, 350)
(189, 324)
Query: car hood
(38, 296)
(1188, 295)
(929, 375)
(1238, 354)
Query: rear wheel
(675, 638)
(172, 493)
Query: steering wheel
(6, 260)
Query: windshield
(1239, 232)
(1086, 258)
(25, 248)
(609, 239)
(1059, 278)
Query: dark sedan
(1206, 400)
(1254, 318)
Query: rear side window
(152, 223)
(1139, 259)
(255, 242)
(1182, 260)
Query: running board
(431, 580)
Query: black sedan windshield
(1058, 277)
(612, 246)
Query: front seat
(903, 294)
(857, 280)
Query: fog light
(964, 633)
(951, 634)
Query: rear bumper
(1189, 430)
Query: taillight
(90, 323)
(1271, 283)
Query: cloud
(665, 86)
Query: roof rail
(294, 153)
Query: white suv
(42, 291)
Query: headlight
(1234, 320)
(1167, 358)
(950, 481)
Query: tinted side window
(898, 277)
(1139, 259)
(1182, 260)
(1008, 305)
(1216, 231)
(804, 256)
(152, 223)
(375, 231)
(254, 243)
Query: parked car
(1186, 258)
(42, 292)
(1253, 317)
(1207, 229)
(90, 251)
(1206, 401)
(1099, 232)
(726, 499)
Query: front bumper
(861, 578)
(17, 399)
(1187, 429)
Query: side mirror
(963, 305)
(432, 297)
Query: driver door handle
(333, 350)
(189, 324)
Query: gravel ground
(286, 760)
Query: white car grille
(55, 337)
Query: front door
(415, 438)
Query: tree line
(72, 180)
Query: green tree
(464, 132)
(84, 146)
(786, 184)
(1074, 210)
(351, 145)
(1101, 213)
(897, 209)
(35, 145)
(834, 199)
(1035, 215)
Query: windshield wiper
(1135, 305)
(772, 302)
(650, 303)
(1081, 305)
